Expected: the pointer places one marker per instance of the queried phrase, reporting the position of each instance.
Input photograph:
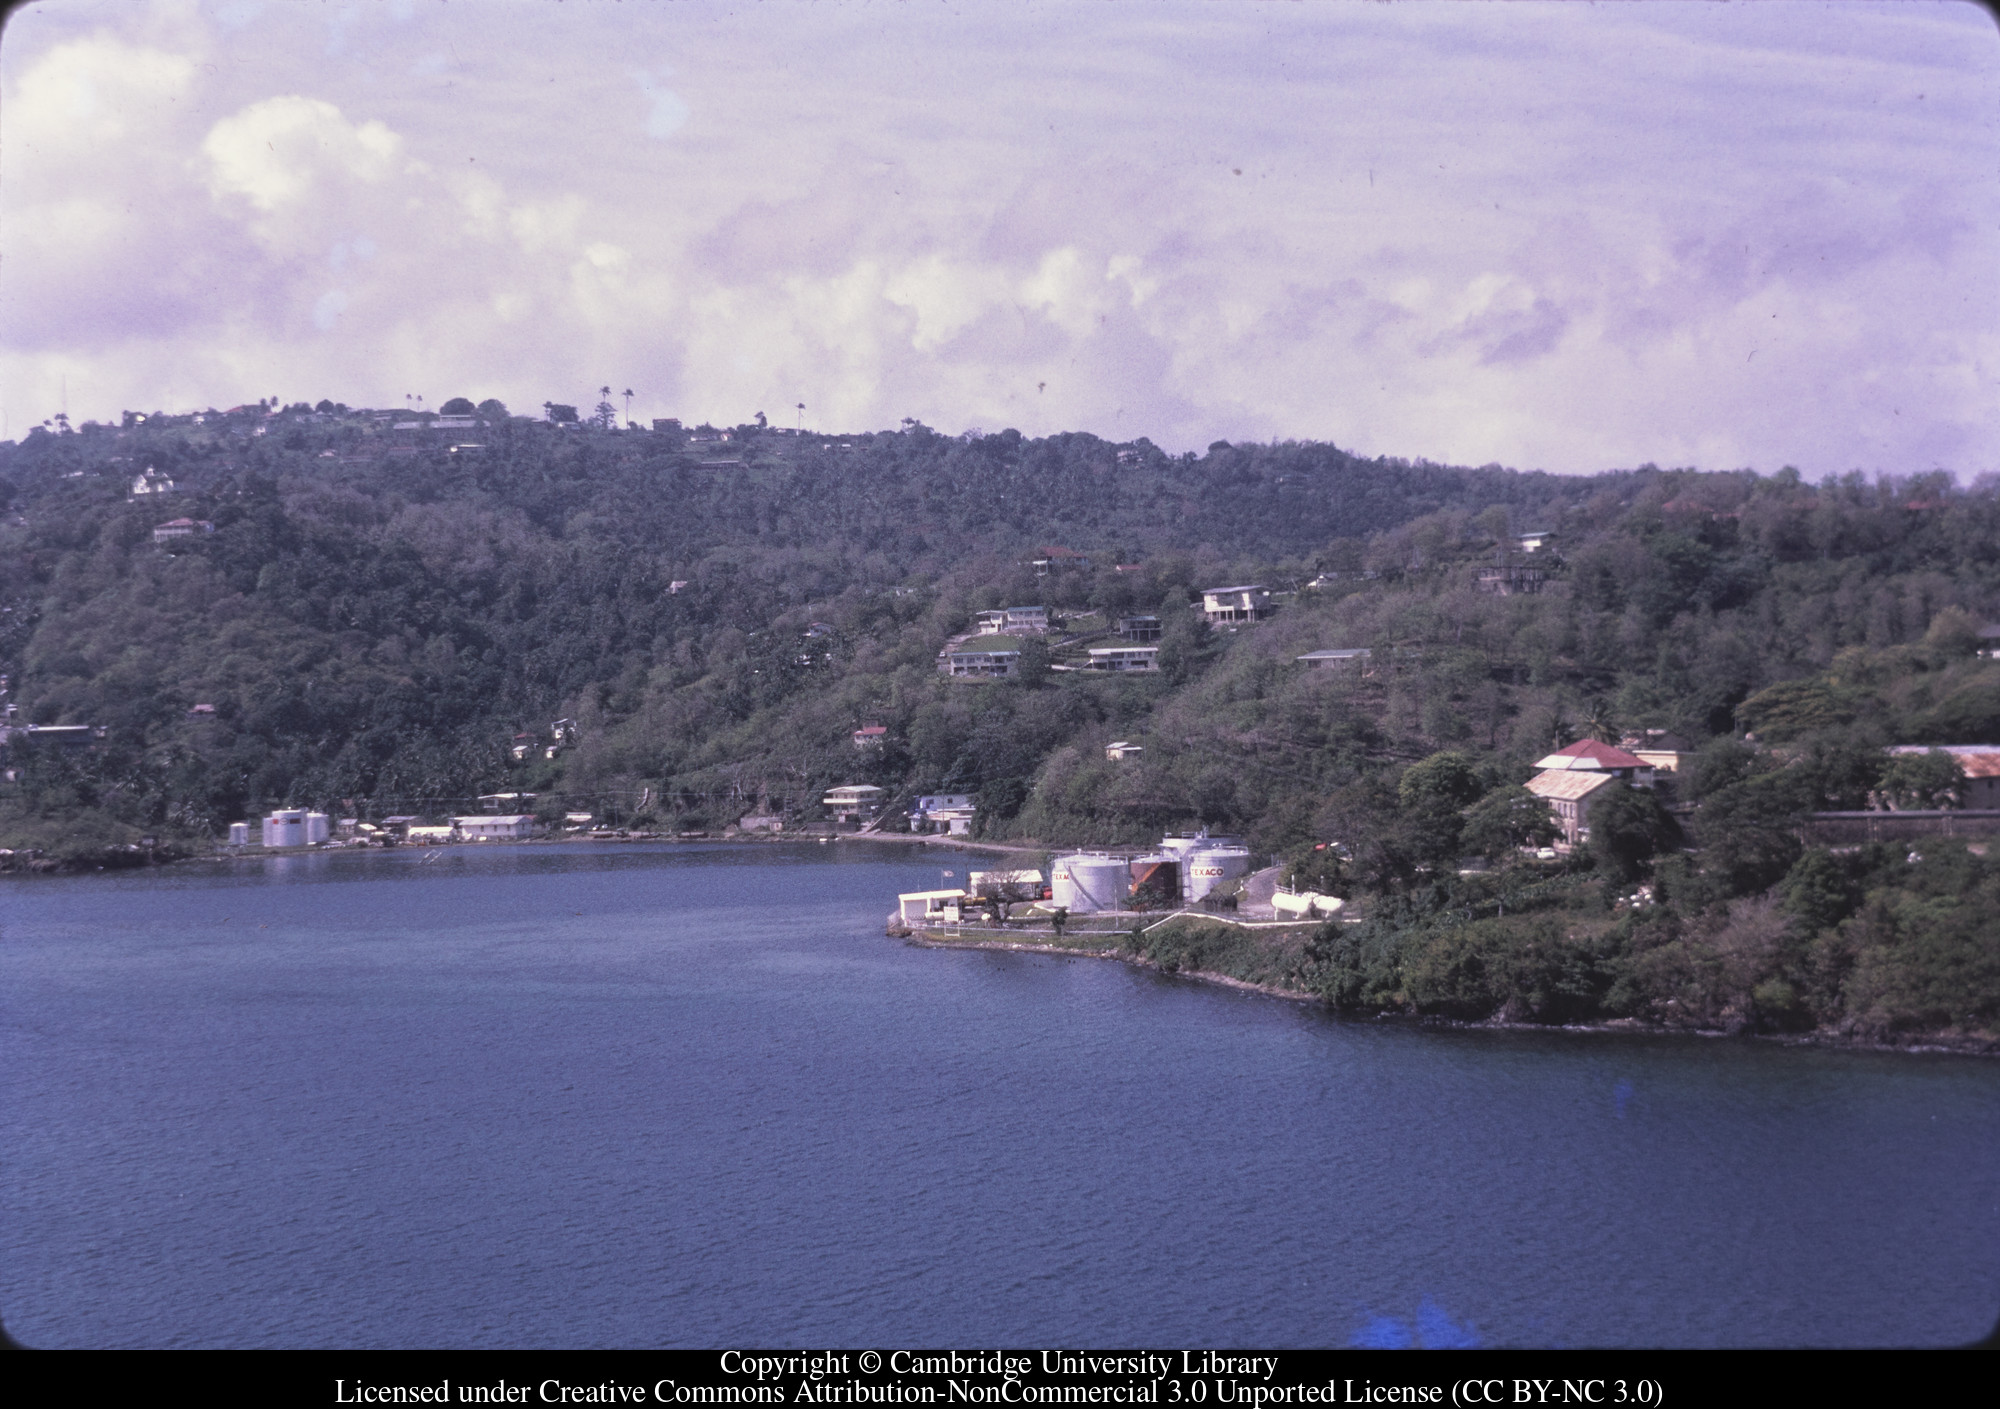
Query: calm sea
(629, 1096)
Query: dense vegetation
(376, 616)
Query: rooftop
(1589, 754)
(1556, 785)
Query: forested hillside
(377, 614)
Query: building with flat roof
(1340, 658)
(853, 805)
(488, 827)
(1122, 658)
(981, 665)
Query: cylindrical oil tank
(1211, 867)
(318, 828)
(239, 834)
(1185, 846)
(1156, 883)
(1088, 884)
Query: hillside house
(1568, 795)
(1661, 749)
(151, 481)
(1251, 602)
(871, 736)
(1014, 619)
(1591, 756)
(1339, 658)
(854, 805)
(942, 812)
(1510, 581)
(181, 528)
(1139, 630)
(1978, 765)
(981, 665)
(1124, 658)
(1119, 750)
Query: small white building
(1006, 885)
(181, 528)
(918, 907)
(1140, 630)
(151, 481)
(517, 827)
(1123, 658)
(1120, 749)
(933, 811)
(1009, 619)
(429, 834)
(953, 821)
(1250, 602)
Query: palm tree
(628, 406)
(802, 416)
(1597, 723)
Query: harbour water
(638, 1096)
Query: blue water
(572, 1096)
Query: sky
(1557, 236)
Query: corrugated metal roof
(1559, 786)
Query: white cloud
(1559, 236)
(277, 152)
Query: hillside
(376, 614)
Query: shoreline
(1931, 1044)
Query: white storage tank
(1211, 867)
(239, 834)
(285, 828)
(1087, 884)
(1184, 846)
(318, 828)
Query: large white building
(1247, 603)
(1121, 658)
(487, 827)
(981, 665)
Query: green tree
(1032, 669)
(493, 409)
(1505, 821)
(1431, 794)
(457, 406)
(1317, 868)
(1748, 830)
(1628, 828)
(1922, 780)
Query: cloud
(1564, 236)
(668, 113)
(275, 153)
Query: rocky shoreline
(1941, 1044)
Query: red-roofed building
(1570, 778)
(1591, 756)
(871, 736)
